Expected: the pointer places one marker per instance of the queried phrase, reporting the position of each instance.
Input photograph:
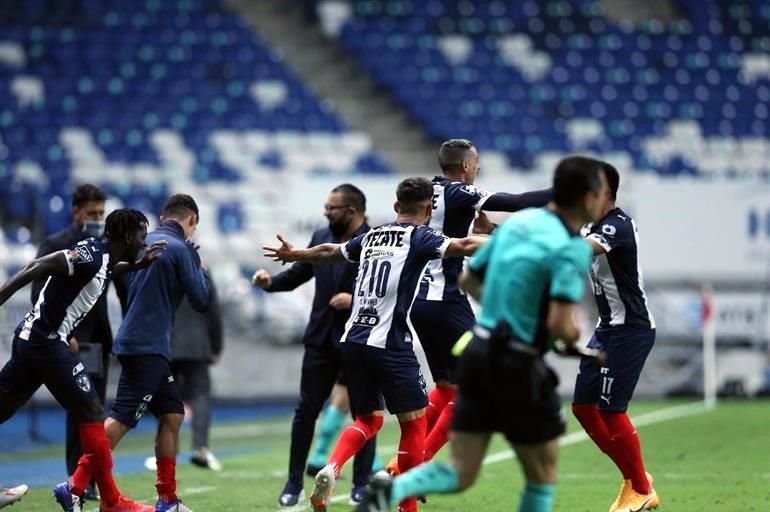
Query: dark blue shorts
(146, 384)
(439, 325)
(374, 373)
(46, 363)
(612, 386)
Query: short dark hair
(180, 206)
(613, 178)
(575, 176)
(412, 191)
(452, 153)
(352, 195)
(123, 222)
(86, 193)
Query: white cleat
(324, 485)
(10, 495)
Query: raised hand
(152, 253)
(285, 253)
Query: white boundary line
(650, 418)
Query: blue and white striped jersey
(616, 276)
(391, 262)
(65, 300)
(454, 207)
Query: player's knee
(466, 477)
(372, 423)
(171, 421)
(92, 412)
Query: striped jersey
(391, 259)
(616, 276)
(65, 300)
(454, 207)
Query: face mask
(94, 228)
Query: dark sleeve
(613, 233)
(504, 202)
(195, 280)
(37, 285)
(351, 250)
(299, 273)
(430, 244)
(214, 322)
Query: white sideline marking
(650, 418)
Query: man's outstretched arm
(323, 253)
(54, 264)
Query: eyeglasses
(331, 207)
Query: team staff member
(345, 209)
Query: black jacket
(95, 327)
(326, 324)
(197, 336)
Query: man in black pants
(92, 339)
(345, 210)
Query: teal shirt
(531, 259)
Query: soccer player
(75, 279)
(626, 332)
(377, 354)
(441, 313)
(10, 495)
(345, 210)
(143, 346)
(92, 340)
(529, 278)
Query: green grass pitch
(715, 460)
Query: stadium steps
(334, 75)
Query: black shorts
(613, 385)
(508, 392)
(439, 325)
(146, 383)
(375, 373)
(49, 363)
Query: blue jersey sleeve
(460, 195)
(613, 232)
(428, 243)
(352, 249)
(569, 267)
(195, 280)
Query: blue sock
(331, 424)
(430, 478)
(537, 498)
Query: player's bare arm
(562, 325)
(472, 284)
(286, 253)
(465, 246)
(152, 253)
(596, 246)
(54, 264)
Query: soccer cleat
(204, 458)
(69, 502)
(392, 467)
(10, 495)
(126, 505)
(322, 489)
(356, 495)
(625, 486)
(633, 501)
(174, 506)
(91, 494)
(377, 497)
(291, 495)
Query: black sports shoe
(377, 497)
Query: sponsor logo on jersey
(78, 368)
